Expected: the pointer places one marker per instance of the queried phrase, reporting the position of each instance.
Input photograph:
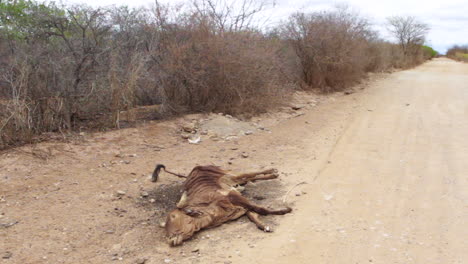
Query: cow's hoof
(284, 211)
(270, 171)
(268, 229)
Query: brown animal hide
(210, 199)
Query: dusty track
(385, 171)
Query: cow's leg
(254, 217)
(263, 177)
(237, 199)
(253, 176)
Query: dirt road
(385, 172)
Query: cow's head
(179, 227)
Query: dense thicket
(66, 68)
(458, 52)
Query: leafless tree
(229, 16)
(409, 32)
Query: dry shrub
(384, 56)
(16, 123)
(210, 59)
(459, 53)
(234, 72)
(78, 67)
(331, 47)
(68, 68)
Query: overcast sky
(448, 19)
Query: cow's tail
(157, 170)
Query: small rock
(144, 194)
(167, 260)
(141, 261)
(245, 155)
(230, 138)
(194, 140)
(132, 155)
(298, 194)
(297, 107)
(126, 161)
(189, 127)
(259, 197)
(7, 255)
(196, 250)
(185, 135)
(109, 231)
(152, 200)
(116, 248)
(120, 193)
(6, 222)
(248, 133)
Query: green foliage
(462, 55)
(430, 52)
(21, 19)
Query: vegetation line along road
(74, 68)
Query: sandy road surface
(386, 172)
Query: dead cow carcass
(210, 198)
